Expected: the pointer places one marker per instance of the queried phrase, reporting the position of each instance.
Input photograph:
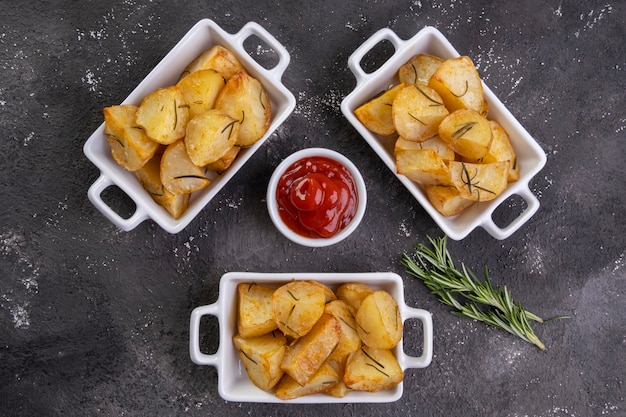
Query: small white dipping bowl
(272, 205)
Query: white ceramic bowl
(273, 208)
(531, 157)
(233, 382)
(200, 37)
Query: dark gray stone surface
(94, 321)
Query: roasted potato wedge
(130, 146)
(307, 354)
(200, 90)
(216, 58)
(479, 182)
(262, 356)
(417, 111)
(353, 293)
(255, 316)
(210, 136)
(378, 319)
(323, 380)
(243, 98)
(164, 115)
(376, 114)
(459, 85)
(340, 389)
(370, 369)
(349, 340)
(149, 176)
(225, 161)
(297, 306)
(467, 132)
(500, 149)
(179, 174)
(446, 199)
(423, 166)
(419, 69)
(445, 152)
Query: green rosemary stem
(461, 289)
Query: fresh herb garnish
(460, 288)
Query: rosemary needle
(460, 288)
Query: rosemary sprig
(460, 288)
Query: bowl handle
(194, 335)
(94, 193)
(502, 233)
(354, 62)
(424, 360)
(253, 28)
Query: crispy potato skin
(372, 370)
(307, 354)
(254, 314)
(297, 306)
(262, 356)
(378, 320)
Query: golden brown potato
(297, 306)
(353, 293)
(445, 152)
(130, 146)
(378, 320)
(376, 114)
(349, 340)
(306, 355)
(459, 85)
(340, 389)
(243, 98)
(200, 90)
(210, 136)
(372, 370)
(149, 175)
(178, 174)
(164, 115)
(419, 69)
(500, 149)
(446, 199)
(255, 316)
(479, 182)
(262, 356)
(324, 379)
(417, 111)
(329, 294)
(423, 166)
(225, 161)
(467, 132)
(217, 58)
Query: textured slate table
(94, 321)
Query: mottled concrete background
(94, 321)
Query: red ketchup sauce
(316, 197)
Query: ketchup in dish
(316, 197)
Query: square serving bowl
(202, 36)
(233, 382)
(531, 158)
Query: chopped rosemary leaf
(464, 92)
(465, 127)
(428, 97)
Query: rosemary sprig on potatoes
(461, 289)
